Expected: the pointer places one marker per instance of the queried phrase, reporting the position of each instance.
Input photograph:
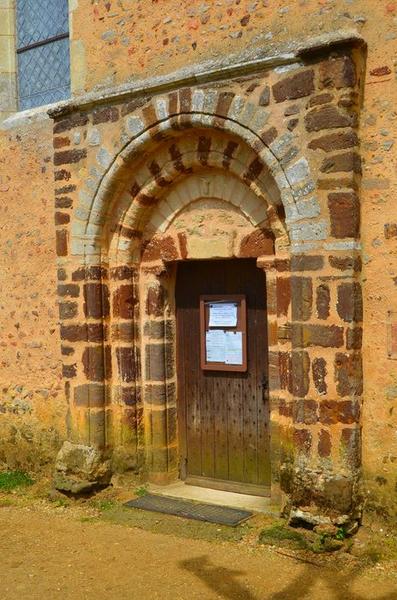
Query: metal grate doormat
(191, 510)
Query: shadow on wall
(224, 582)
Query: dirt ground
(58, 550)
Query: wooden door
(223, 417)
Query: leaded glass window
(43, 52)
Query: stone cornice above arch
(252, 60)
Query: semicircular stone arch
(154, 179)
(250, 125)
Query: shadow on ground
(225, 583)
(221, 580)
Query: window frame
(22, 49)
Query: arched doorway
(203, 174)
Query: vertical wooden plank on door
(250, 395)
(237, 383)
(190, 356)
(220, 384)
(263, 390)
(208, 399)
(182, 374)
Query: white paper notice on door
(223, 314)
(215, 346)
(233, 348)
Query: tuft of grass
(325, 543)
(104, 505)
(12, 480)
(281, 534)
(87, 519)
(62, 503)
(141, 491)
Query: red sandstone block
(63, 202)
(304, 262)
(69, 371)
(296, 86)
(348, 161)
(122, 273)
(60, 142)
(66, 189)
(95, 273)
(253, 171)
(350, 302)
(68, 289)
(92, 332)
(302, 298)
(97, 363)
(354, 338)
(317, 335)
(335, 141)
(349, 374)
(61, 218)
(299, 382)
(344, 263)
(132, 106)
(90, 395)
(339, 411)
(61, 242)
(323, 299)
(344, 210)
(126, 362)
(105, 115)
(76, 120)
(224, 101)
(303, 440)
(68, 157)
(319, 371)
(155, 301)
(159, 363)
(283, 291)
(258, 243)
(67, 310)
(324, 444)
(124, 302)
(160, 248)
(96, 300)
(338, 73)
(329, 117)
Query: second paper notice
(224, 347)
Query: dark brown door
(223, 417)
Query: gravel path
(45, 555)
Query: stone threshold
(179, 489)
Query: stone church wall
(111, 46)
